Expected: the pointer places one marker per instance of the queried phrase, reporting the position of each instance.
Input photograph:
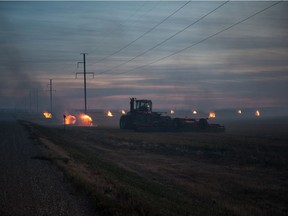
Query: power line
(136, 11)
(147, 32)
(159, 44)
(205, 39)
(145, 13)
(125, 21)
(109, 33)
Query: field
(240, 172)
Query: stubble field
(240, 172)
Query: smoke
(18, 90)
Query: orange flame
(47, 115)
(85, 120)
(123, 112)
(212, 115)
(70, 119)
(109, 114)
(257, 113)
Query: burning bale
(109, 114)
(212, 115)
(70, 119)
(84, 120)
(80, 119)
(257, 113)
(47, 115)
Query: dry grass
(130, 173)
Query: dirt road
(29, 182)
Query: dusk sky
(202, 55)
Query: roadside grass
(181, 174)
(118, 191)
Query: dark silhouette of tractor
(142, 118)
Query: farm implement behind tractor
(142, 118)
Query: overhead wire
(136, 11)
(203, 40)
(125, 21)
(144, 13)
(145, 33)
(162, 42)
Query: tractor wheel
(203, 124)
(177, 124)
(124, 122)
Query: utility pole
(30, 102)
(84, 73)
(25, 104)
(37, 105)
(51, 89)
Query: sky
(182, 55)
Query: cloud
(246, 64)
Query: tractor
(142, 118)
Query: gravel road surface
(30, 184)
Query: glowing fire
(239, 112)
(257, 113)
(212, 115)
(70, 119)
(172, 112)
(194, 112)
(85, 120)
(47, 115)
(109, 114)
(123, 112)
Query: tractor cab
(144, 105)
(140, 105)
